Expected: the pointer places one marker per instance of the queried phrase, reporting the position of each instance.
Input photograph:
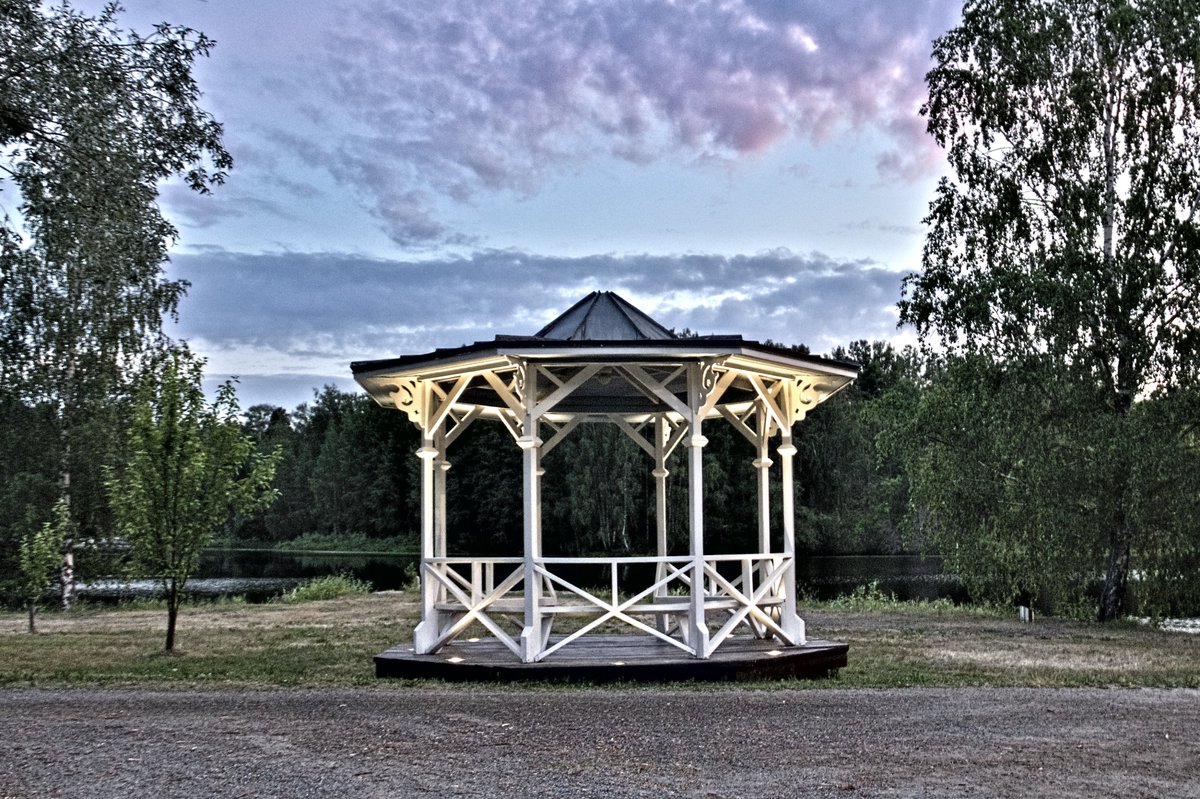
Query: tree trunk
(1116, 580)
(172, 615)
(32, 613)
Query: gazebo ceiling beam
(462, 423)
(739, 423)
(565, 389)
(633, 432)
(511, 422)
(505, 393)
(564, 429)
(447, 402)
(768, 397)
(639, 378)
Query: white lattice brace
(505, 391)
(749, 605)
(612, 610)
(657, 390)
(564, 389)
(462, 423)
(444, 401)
(476, 611)
(634, 433)
(560, 434)
(739, 423)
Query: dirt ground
(432, 741)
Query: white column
(660, 489)
(697, 627)
(439, 490)
(426, 633)
(792, 625)
(530, 444)
(763, 465)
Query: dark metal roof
(601, 321)
(603, 316)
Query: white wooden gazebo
(603, 360)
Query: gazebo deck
(612, 658)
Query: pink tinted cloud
(453, 97)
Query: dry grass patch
(332, 642)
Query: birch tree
(92, 121)
(1066, 234)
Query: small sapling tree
(190, 467)
(39, 558)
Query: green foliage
(92, 120)
(1014, 469)
(852, 499)
(1065, 250)
(333, 586)
(191, 466)
(348, 542)
(40, 557)
(347, 469)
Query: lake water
(261, 574)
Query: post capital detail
(697, 441)
(786, 450)
(529, 442)
(427, 453)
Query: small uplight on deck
(618, 663)
(774, 653)
(455, 659)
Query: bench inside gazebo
(604, 361)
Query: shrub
(331, 586)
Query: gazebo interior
(604, 361)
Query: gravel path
(395, 741)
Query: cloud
(435, 101)
(303, 315)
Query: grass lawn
(331, 642)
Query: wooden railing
(744, 589)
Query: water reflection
(260, 574)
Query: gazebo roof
(603, 316)
(601, 328)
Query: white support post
(439, 490)
(792, 624)
(426, 635)
(532, 642)
(660, 489)
(762, 465)
(697, 625)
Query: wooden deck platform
(611, 658)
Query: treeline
(349, 471)
(1003, 469)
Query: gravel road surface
(395, 742)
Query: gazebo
(605, 361)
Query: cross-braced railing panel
(615, 607)
(470, 597)
(746, 589)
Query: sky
(428, 173)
